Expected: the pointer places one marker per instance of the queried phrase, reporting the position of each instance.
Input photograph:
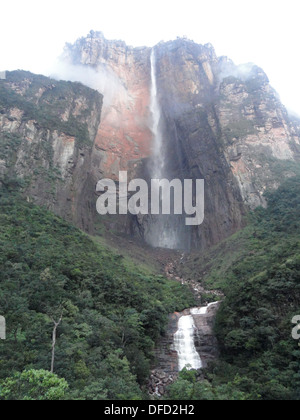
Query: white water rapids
(184, 340)
(185, 345)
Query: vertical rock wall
(47, 132)
(220, 122)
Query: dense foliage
(34, 385)
(189, 388)
(111, 313)
(262, 296)
(258, 269)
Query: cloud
(100, 78)
(243, 72)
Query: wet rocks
(205, 340)
(159, 382)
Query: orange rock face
(124, 79)
(124, 135)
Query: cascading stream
(184, 339)
(185, 345)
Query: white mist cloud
(102, 79)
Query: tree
(56, 325)
(52, 295)
(33, 385)
(119, 381)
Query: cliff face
(225, 124)
(186, 79)
(220, 122)
(47, 132)
(258, 134)
(124, 75)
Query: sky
(264, 32)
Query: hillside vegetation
(112, 312)
(258, 269)
(262, 296)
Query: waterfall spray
(160, 235)
(165, 231)
(158, 159)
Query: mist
(102, 79)
(243, 72)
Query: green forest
(110, 313)
(258, 270)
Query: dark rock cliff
(47, 133)
(225, 124)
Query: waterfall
(185, 345)
(163, 231)
(184, 338)
(203, 310)
(158, 159)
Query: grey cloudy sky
(266, 32)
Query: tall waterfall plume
(158, 158)
(165, 231)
